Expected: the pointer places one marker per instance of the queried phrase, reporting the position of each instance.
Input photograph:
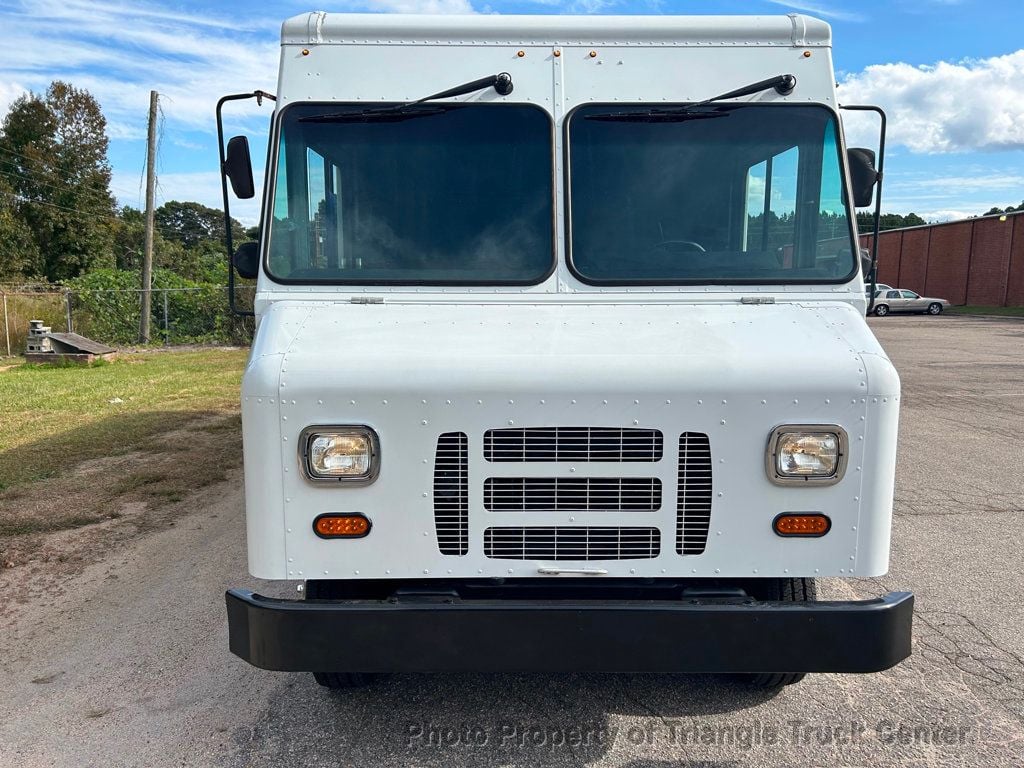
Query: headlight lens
(342, 453)
(812, 453)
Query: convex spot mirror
(247, 260)
(863, 175)
(238, 168)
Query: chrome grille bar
(572, 494)
(555, 444)
(451, 493)
(571, 543)
(693, 495)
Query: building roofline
(944, 223)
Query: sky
(949, 73)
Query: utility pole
(147, 256)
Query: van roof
(322, 28)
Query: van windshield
(708, 194)
(441, 194)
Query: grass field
(57, 417)
(1000, 311)
(119, 443)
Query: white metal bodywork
(429, 360)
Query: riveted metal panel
(733, 372)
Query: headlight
(811, 453)
(341, 454)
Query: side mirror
(238, 168)
(247, 260)
(863, 175)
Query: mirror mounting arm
(228, 239)
(878, 193)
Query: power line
(93, 194)
(170, 234)
(14, 173)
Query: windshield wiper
(656, 115)
(392, 114)
(784, 84)
(501, 82)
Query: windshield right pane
(716, 194)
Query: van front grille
(451, 493)
(572, 494)
(537, 444)
(572, 543)
(693, 499)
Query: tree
(194, 223)
(18, 253)
(866, 221)
(53, 151)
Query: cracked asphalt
(128, 663)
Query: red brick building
(977, 261)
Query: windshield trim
(269, 189)
(567, 200)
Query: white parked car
(889, 300)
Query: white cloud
(820, 9)
(418, 6)
(201, 187)
(964, 106)
(960, 184)
(120, 51)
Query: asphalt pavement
(128, 664)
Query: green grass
(55, 417)
(975, 310)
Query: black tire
(935, 308)
(337, 680)
(794, 590)
(881, 310)
(321, 590)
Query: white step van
(561, 361)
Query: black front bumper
(483, 635)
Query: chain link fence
(178, 315)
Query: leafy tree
(53, 152)
(18, 252)
(193, 223)
(866, 220)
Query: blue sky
(950, 73)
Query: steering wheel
(680, 246)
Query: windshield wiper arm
(784, 84)
(501, 82)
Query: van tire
(787, 590)
(881, 310)
(321, 590)
(339, 680)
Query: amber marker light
(331, 526)
(807, 524)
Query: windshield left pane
(441, 194)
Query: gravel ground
(128, 663)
